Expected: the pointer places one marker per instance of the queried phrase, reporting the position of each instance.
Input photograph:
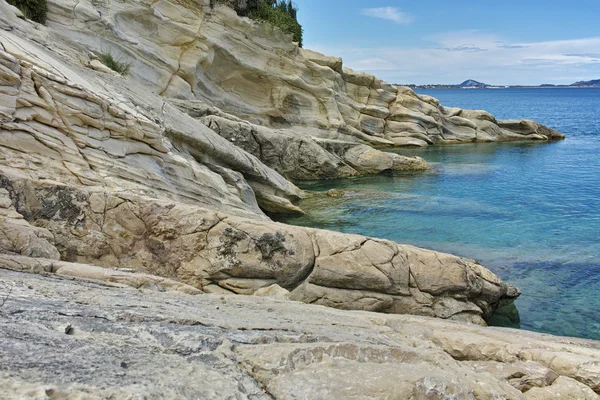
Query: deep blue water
(528, 211)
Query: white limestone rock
(253, 71)
(172, 345)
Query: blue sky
(436, 41)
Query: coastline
(138, 203)
(434, 87)
(118, 175)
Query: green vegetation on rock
(114, 64)
(34, 10)
(281, 13)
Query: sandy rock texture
(298, 156)
(98, 170)
(204, 52)
(66, 338)
(54, 129)
(132, 210)
(17, 236)
(221, 253)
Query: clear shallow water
(528, 211)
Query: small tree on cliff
(280, 13)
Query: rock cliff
(195, 51)
(99, 169)
(160, 179)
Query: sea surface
(529, 211)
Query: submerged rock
(336, 193)
(507, 315)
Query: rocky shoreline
(160, 180)
(67, 338)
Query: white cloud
(390, 13)
(455, 56)
(463, 47)
(374, 64)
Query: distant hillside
(468, 84)
(592, 83)
(473, 83)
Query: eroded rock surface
(17, 236)
(158, 181)
(242, 69)
(221, 253)
(101, 171)
(145, 343)
(297, 156)
(81, 134)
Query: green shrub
(34, 10)
(114, 64)
(281, 13)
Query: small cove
(529, 211)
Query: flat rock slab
(66, 338)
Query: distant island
(473, 84)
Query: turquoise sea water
(529, 211)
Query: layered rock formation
(106, 173)
(221, 253)
(69, 339)
(297, 156)
(195, 51)
(159, 180)
(74, 134)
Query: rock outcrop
(109, 186)
(112, 171)
(109, 171)
(66, 338)
(298, 157)
(202, 51)
(159, 181)
(78, 134)
(222, 253)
